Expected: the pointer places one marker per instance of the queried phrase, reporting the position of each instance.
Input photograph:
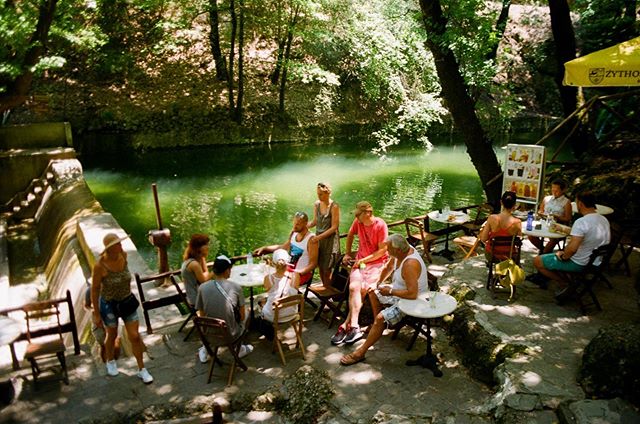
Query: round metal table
(428, 306)
(453, 217)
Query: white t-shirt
(595, 231)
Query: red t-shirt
(370, 237)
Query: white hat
(281, 255)
(111, 239)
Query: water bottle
(530, 221)
(249, 259)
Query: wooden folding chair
(335, 296)
(416, 234)
(581, 283)
(296, 321)
(37, 315)
(214, 334)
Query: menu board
(523, 171)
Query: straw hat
(112, 239)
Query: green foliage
(412, 121)
(604, 23)
(471, 35)
(16, 29)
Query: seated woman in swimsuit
(500, 225)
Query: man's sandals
(351, 359)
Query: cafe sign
(523, 171)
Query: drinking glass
(446, 209)
(432, 299)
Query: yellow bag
(509, 273)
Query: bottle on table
(530, 221)
(249, 259)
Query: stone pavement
(381, 389)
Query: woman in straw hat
(111, 284)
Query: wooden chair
(628, 238)
(335, 296)
(296, 321)
(416, 234)
(581, 283)
(214, 334)
(166, 298)
(191, 308)
(307, 289)
(468, 245)
(472, 228)
(514, 245)
(38, 315)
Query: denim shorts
(552, 263)
(109, 318)
(392, 315)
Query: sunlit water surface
(245, 197)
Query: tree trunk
(459, 102)
(275, 75)
(287, 56)
(501, 26)
(565, 41)
(214, 40)
(234, 24)
(238, 115)
(18, 89)
(281, 40)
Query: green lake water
(245, 197)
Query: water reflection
(245, 197)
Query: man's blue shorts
(552, 263)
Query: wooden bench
(46, 330)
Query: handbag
(125, 307)
(508, 272)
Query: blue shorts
(109, 318)
(552, 263)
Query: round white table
(543, 232)
(601, 209)
(427, 306)
(250, 275)
(453, 217)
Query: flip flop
(350, 359)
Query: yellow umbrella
(616, 66)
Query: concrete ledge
(34, 136)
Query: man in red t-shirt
(367, 266)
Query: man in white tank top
(302, 247)
(409, 278)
